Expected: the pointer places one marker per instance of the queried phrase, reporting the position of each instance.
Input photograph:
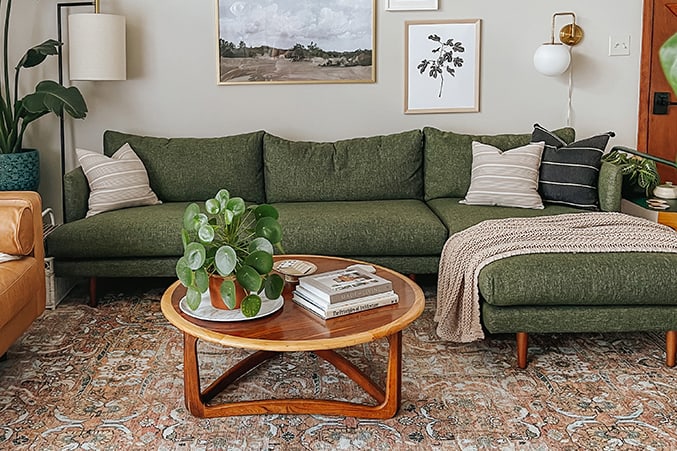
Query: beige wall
(172, 90)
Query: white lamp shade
(97, 47)
(552, 59)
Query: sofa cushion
(581, 279)
(373, 168)
(193, 169)
(364, 228)
(115, 182)
(18, 282)
(508, 179)
(569, 172)
(456, 216)
(16, 227)
(151, 231)
(448, 157)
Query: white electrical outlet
(619, 45)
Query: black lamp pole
(645, 155)
(62, 126)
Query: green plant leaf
(36, 55)
(193, 298)
(668, 57)
(212, 206)
(206, 233)
(236, 205)
(225, 260)
(223, 196)
(228, 216)
(50, 96)
(195, 255)
(249, 278)
(269, 228)
(201, 280)
(228, 293)
(184, 273)
(189, 214)
(251, 306)
(261, 244)
(273, 286)
(261, 261)
(265, 210)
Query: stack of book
(342, 292)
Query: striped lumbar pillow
(119, 181)
(570, 172)
(508, 179)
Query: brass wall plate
(571, 34)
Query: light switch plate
(619, 45)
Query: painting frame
(412, 5)
(425, 72)
(308, 50)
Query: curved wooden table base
(670, 348)
(197, 400)
(294, 329)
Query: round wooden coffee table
(292, 328)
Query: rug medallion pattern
(110, 378)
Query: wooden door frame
(645, 77)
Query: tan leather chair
(22, 281)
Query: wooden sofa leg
(92, 292)
(670, 347)
(522, 344)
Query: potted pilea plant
(228, 250)
(19, 167)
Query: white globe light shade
(552, 59)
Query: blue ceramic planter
(20, 171)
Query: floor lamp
(96, 50)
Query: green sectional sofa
(392, 200)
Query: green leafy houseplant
(640, 175)
(668, 57)
(49, 96)
(232, 241)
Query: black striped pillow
(569, 172)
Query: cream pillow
(506, 178)
(115, 182)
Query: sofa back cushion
(190, 169)
(16, 227)
(377, 167)
(448, 157)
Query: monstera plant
(228, 249)
(668, 57)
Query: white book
(321, 302)
(332, 311)
(345, 284)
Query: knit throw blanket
(465, 253)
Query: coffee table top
(293, 328)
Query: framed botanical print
(442, 66)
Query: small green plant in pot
(228, 246)
(640, 175)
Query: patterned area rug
(111, 378)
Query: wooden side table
(292, 328)
(638, 207)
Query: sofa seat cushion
(150, 231)
(372, 168)
(389, 227)
(584, 279)
(457, 217)
(18, 279)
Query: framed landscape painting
(296, 41)
(442, 66)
